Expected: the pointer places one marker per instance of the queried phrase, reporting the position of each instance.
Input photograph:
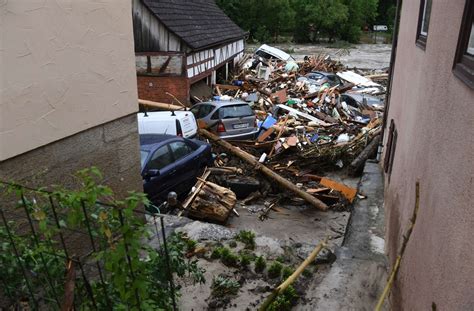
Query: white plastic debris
(343, 138)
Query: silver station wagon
(230, 119)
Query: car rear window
(235, 111)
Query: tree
(361, 13)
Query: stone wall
(113, 147)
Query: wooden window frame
(390, 146)
(463, 67)
(421, 38)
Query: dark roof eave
(217, 43)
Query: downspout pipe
(393, 57)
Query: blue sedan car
(171, 163)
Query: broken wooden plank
(348, 192)
(227, 87)
(317, 190)
(265, 134)
(282, 182)
(298, 113)
(198, 186)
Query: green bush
(121, 234)
(228, 258)
(246, 237)
(260, 264)
(190, 245)
(274, 270)
(245, 260)
(216, 252)
(222, 286)
(286, 272)
(284, 301)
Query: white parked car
(179, 123)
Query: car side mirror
(151, 173)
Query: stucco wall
(66, 66)
(434, 116)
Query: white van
(179, 123)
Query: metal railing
(49, 264)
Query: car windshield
(235, 111)
(144, 155)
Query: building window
(464, 60)
(423, 23)
(390, 145)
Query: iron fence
(60, 255)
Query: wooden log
(282, 182)
(162, 106)
(357, 166)
(213, 203)
(283, 286)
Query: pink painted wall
(434, 115)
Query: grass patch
(260, 264)
(286, 272)
(274, 270)
(284, 301)
(246, 237)
(222, 286)
(245, 260)
(228, 258)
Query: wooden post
(282, 182)
(398, 261)
(162, 106)
(280, 289)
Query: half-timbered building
(181, 46)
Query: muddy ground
(288, 235)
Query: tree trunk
(282, 182)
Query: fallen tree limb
(282, 182)
(357, 165)
(406, 237)
(283, 286)
(162, 106)
(175, 98)
(225, 170)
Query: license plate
(240, 126)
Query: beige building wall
(65, 66)
(434, 116)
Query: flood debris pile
(313, 116)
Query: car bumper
(243, 136)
